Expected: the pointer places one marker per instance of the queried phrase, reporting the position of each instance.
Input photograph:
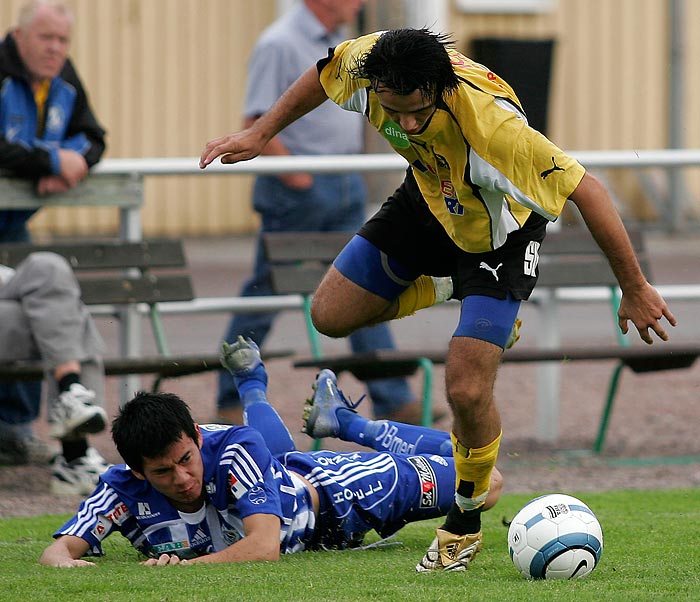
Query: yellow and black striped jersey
(479, 166)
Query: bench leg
(607, 409)
(427, 403)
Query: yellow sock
(473, 467)
(423, 292)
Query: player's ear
(199, 436)
(137, 474)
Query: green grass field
(652, 552)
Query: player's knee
(329, 322)
(45, 265)
(466, 396)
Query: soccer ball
(555, 536)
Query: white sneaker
(79, 477)
(75, 411)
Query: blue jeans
(334, 203)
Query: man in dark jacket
(48, 132)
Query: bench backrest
(567, 258)
(298, 260)
(118, 272)
(571, 257)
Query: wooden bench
(119, 274)
(569, 260)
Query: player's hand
(71, 563)
(233, 148)
(645, 308)
(164, 560)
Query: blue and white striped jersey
(362, 491)
(240, 478)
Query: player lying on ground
(212, 493)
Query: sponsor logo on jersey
(101, 529)
(144, 510)
(118, 514)
(170, 546)
(210, 488)
(389, 441)
(428, 481)
(394, 133)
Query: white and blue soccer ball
(555, 536)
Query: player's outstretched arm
(66, 552)
(641, 303)
(303, 96)
(261, 543)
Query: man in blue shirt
(303, 201)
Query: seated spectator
(42, 317)
(49, 135)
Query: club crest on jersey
(451, 202)
(257, 495)
(394, 133)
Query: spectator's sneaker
(78, 477)
(320, 412)
(16, 451)
(450, 552)
(38, 451)
(74, 411)
(242, 360)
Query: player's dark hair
(405, 60)
(149, 424)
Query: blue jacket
(69, 123)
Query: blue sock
(263, 417)
(386, 435)
(255, 379)
(352, 426)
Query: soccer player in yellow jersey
(470, 213)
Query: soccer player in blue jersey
(480, 188)
(212, 493)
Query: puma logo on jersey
(485, 266)
(548, 172)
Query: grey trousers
(42, 317)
